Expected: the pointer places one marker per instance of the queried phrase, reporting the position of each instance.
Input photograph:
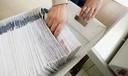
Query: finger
(89, 15)
(50, 22)
(54, 26)
(47, 19)
(85, 13)
(91, 12)
(82, 10)
(58, 29)
(95, 12)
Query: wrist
(64, 4)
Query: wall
(13, 7)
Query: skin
(57, 16)
(90, 9)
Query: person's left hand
(90, 9)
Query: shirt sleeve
(56, 2)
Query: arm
(57, 16)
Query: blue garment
(79, 2)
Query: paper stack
(28, 48)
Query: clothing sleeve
(56, 2)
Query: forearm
(56, 2)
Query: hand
(57, 17)
(90, 9)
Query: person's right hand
(57, 17)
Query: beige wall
(12, 7)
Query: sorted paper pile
(28, 48)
